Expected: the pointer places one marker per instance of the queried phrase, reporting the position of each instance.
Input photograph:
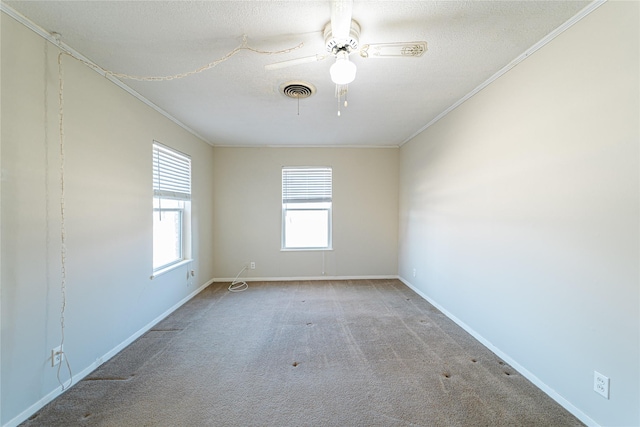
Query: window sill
(305, 249)
(169, 268)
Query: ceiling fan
(342, 37)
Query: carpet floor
(308, 353)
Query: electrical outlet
(57, 356)
(601, 384)
(414, 272)
(252, 265)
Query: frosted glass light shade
(343, 71)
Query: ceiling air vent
(297, 90)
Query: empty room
(320, 213)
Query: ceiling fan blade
(390, 50)
(341, 11)
(292, 62)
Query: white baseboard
(291, 279)
(515, 365)
(24, 415)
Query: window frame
(175, 192)
(322, 196)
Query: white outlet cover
(601, 384)
(57, 356)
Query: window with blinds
(306, 207)
(171, 207)
(171, 174)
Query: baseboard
(515, 365)
(24, 415)
(504, 356)
(291, 279)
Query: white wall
(108, 136)
(248, 188)
(520, 212)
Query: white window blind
(306, 185)
(171, 174)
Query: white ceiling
(239, 103)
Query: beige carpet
(331, 353)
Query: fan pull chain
(342, 90)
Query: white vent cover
(297, 89)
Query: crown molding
(17, 16)
(544, 41)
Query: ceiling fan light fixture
(343, 71)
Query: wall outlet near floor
(414, 272)
(601, 384)
(57, 356)
(252, 265)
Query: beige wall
(108, 197)
(520, 213)
(248, 193)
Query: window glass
(306, 208)
(167, 237)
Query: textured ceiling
(238, 102)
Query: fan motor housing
(334, 46)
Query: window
(171, 206)
(306, 208)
